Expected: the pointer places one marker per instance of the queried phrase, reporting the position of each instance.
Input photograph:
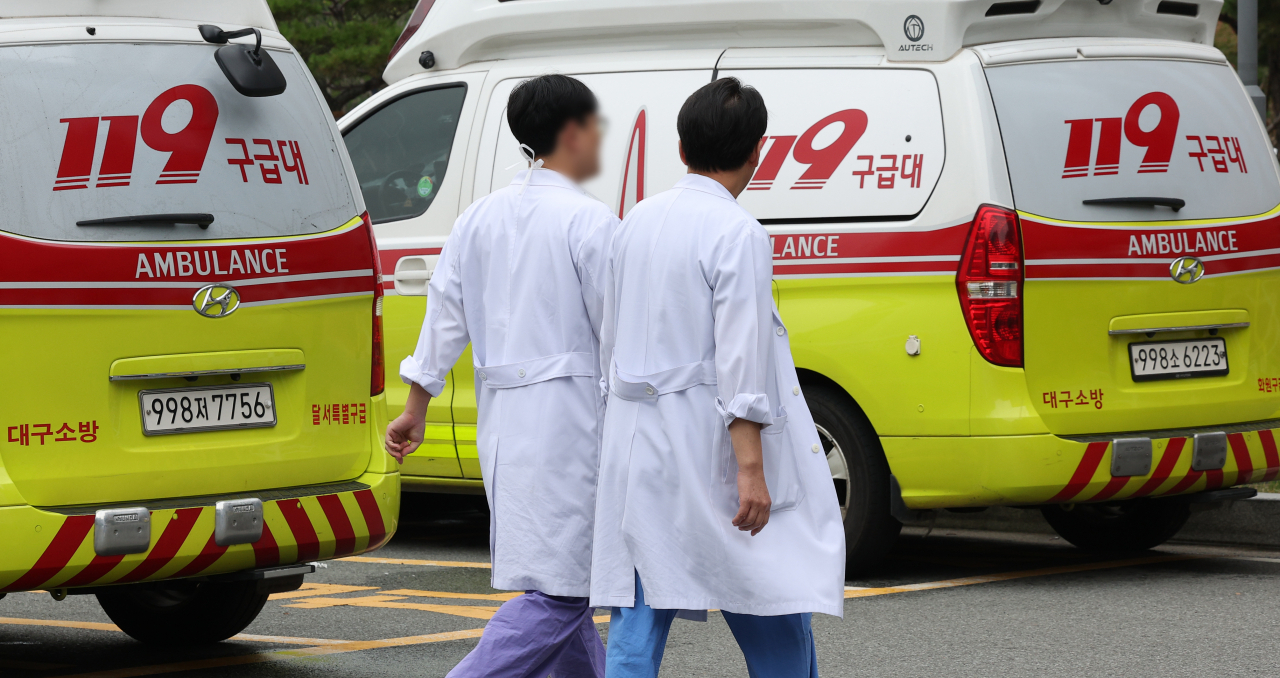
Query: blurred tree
(344, 42)
(1268, 52)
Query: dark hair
(540, 107)
(720, 125)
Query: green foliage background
(1268, 52)
(344, 42)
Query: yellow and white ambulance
(1027, 250)
(190, 317)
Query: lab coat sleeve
(608, 324)
(742, 304)
(592, 261)
(444, 329)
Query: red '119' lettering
(186, 147)
(1158, 141)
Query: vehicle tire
(1124, 526)
(184, 613)
(861, 477)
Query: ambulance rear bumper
(54, 548)
(952, 472)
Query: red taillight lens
(989, 282)
(378, 369)
(415, 22)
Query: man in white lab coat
(714, 492)
(521, 279)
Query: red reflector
(378, 368)
(989, 282)
(415, 22)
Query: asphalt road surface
(948, 604)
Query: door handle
(413, 274)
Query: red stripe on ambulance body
(208, 556)
(265, 551)
(1055, 251)
(99, 566)
(1164, 469)
(304, 533)
(1240, 451)
(56, 555)
(344, 536)
(42, 273)
(1272, 456)
(167, 546)
(1084, 472)
(372, 518)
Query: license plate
(1153, 360)
(186, 410)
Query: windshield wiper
(199, 219)
(1174, 203)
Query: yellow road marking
(284, 640)
(95, 626)
(99, 626)
(395, 603)
(320, 590)
(336, 648)
(464, 596)
(327, 647)
(410, 561)
(855, 592)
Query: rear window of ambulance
(103, 131)
(1098, 129)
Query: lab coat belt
(650, 386)
(527, 372)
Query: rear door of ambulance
(186, 282)
(1147, 192)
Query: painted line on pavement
(260, 657)
(100, 626)
(410, 561)
(329, 647)
(855, 592)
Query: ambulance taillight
(378, 368)
(989, 282)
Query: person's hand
(404, 435)
(753, 501)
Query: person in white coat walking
(713, 490)
(521, 278)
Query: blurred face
(577, 153)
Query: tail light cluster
(378, 368)
(989, 282)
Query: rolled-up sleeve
(742, 304)
(444, 329)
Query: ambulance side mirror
(251, 71)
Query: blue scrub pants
(774, 647)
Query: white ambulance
(1026, 249)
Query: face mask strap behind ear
(528, 154)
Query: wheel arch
(810, 379)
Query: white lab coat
(521, 278)
(691, 341)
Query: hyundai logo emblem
(914, 28)
(1186, 270)
(216, 301)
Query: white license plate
(185, 410)
(1154, 360)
